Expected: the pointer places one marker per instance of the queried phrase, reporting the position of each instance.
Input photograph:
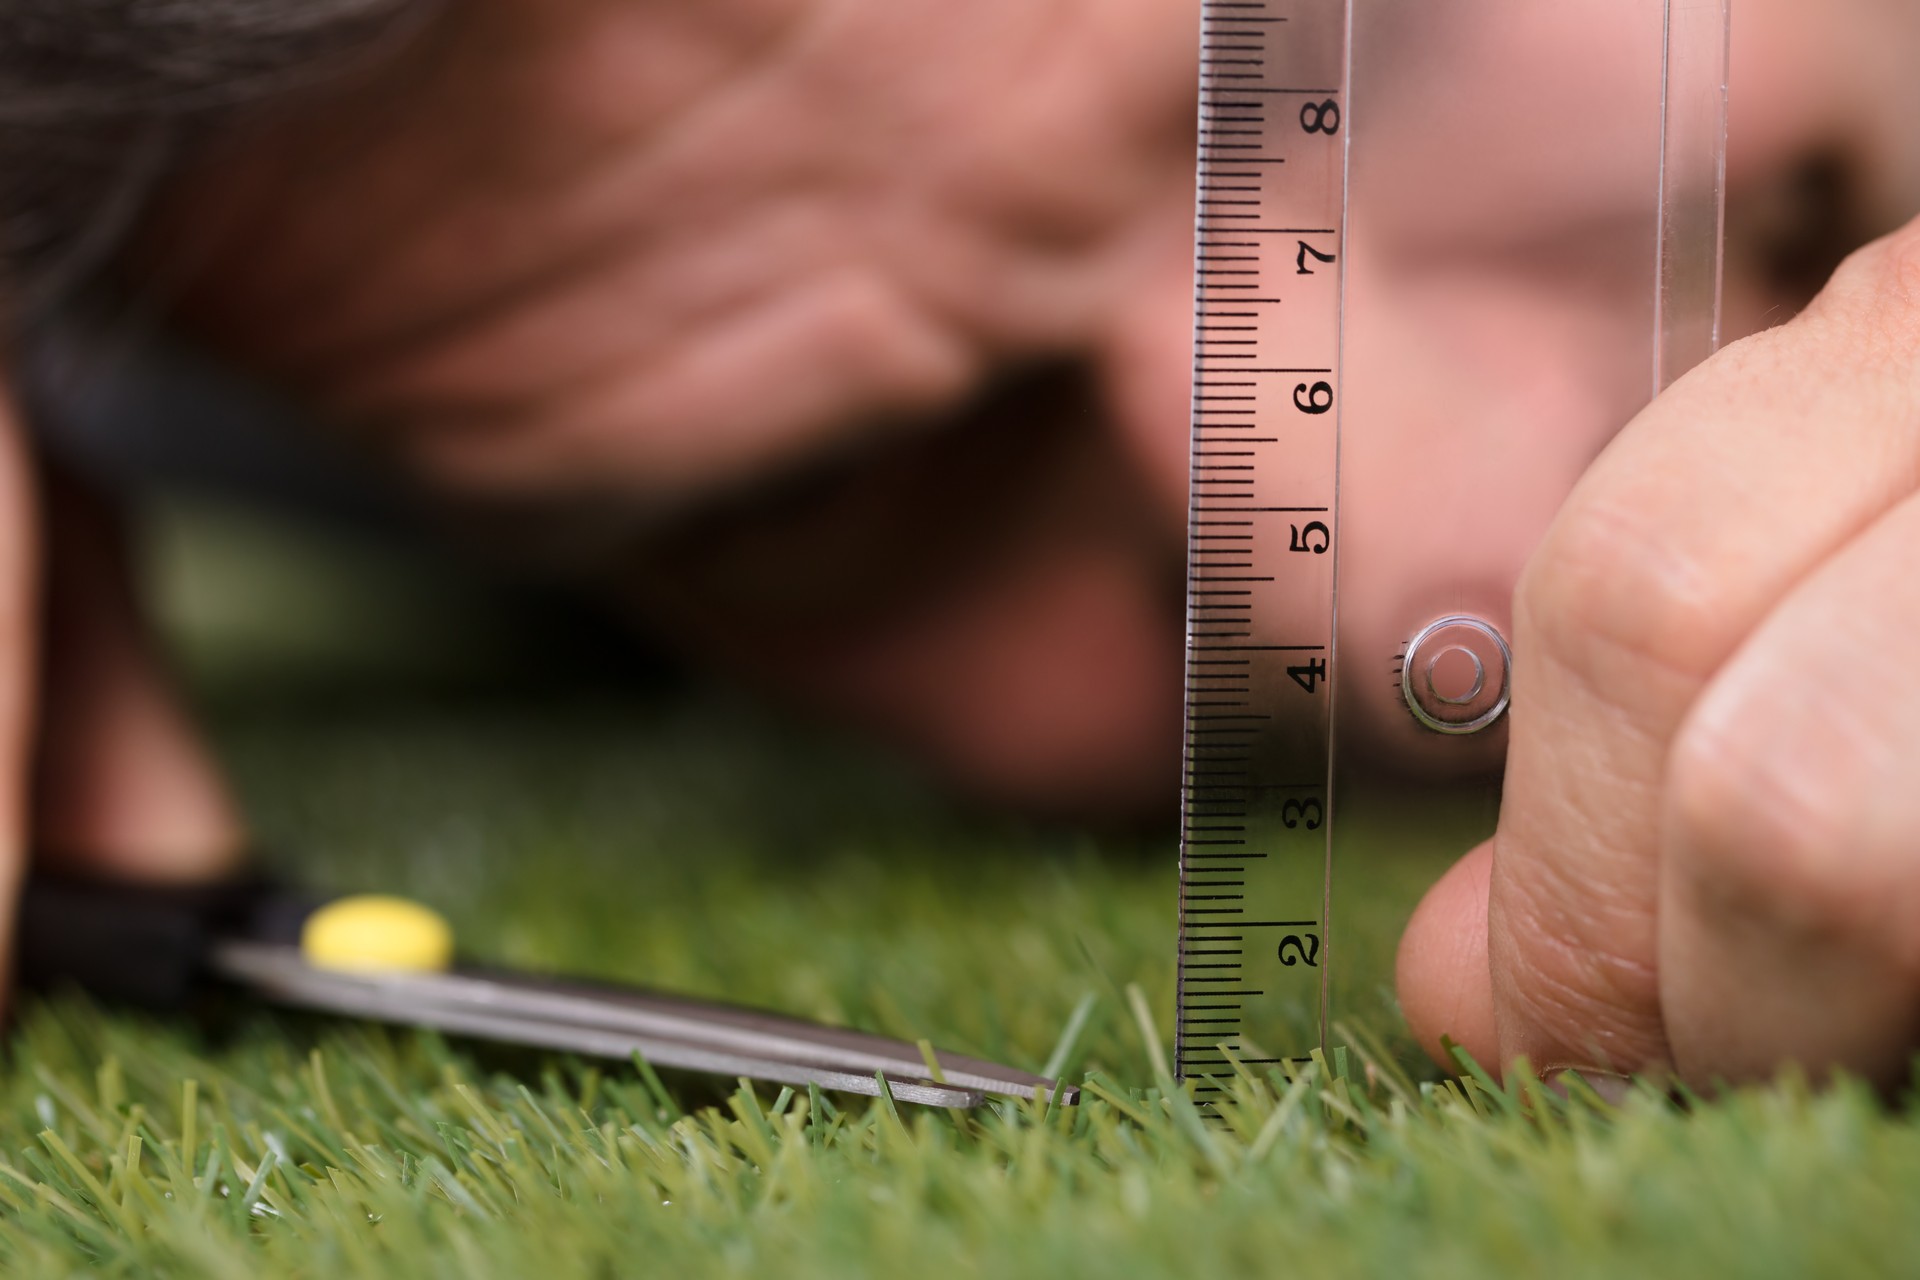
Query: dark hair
(98, 96)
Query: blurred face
(866, 375)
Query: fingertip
(1443, 976)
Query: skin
(572, 226)
(737, 312)
(100, 770)
(1705, 858)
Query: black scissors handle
(143, 944)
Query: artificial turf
(683, 838)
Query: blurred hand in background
(100, 770)
(845, 343)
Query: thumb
(1444, 978)
(124, 786)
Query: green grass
(684, 839)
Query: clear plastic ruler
(1444, 250)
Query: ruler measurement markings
(1234, 173)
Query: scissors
(387, 960)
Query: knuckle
(1605, 599)
(1756, 832)
(487, 463)
(896, 353)
(1574, 979)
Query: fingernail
(1611, 1087)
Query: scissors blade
(752, 1030)
(617, 1022)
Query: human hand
(100, 770)
(841, 341)
(1708, 859)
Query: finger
(1707, 511)
(853, 358)
(124, 785)
(1790, 906)
(19, 592)
(1443, 977)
